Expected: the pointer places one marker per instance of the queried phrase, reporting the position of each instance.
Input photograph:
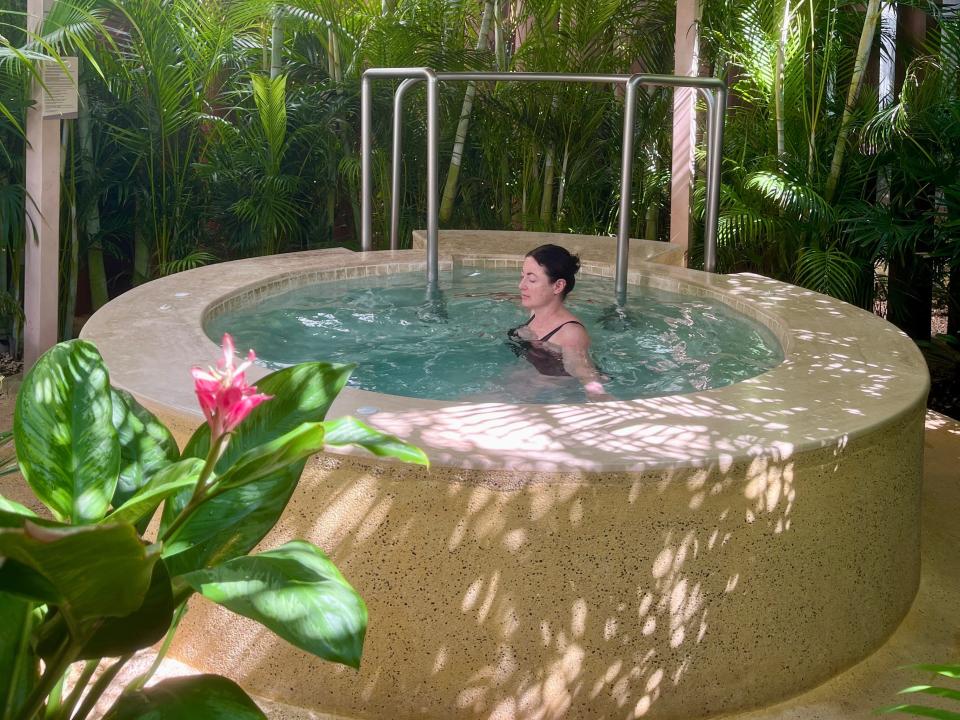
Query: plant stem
(55, 698)
(102, 683)
(453, 174)
(48, 681)
(74, 697)
(856, 81)
(138, 682)
(199, 491)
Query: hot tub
(670, 557)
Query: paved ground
(930, 633)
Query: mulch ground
(9, 366)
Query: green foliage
(297, 592)
(66, 440)
(933, 691)
(88, 586)
(829, 271)
(201, 697)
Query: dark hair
(558, 263)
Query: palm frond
(830, 271)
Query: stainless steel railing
(713, 90)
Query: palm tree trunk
(141, 249)
(73, 254)
(16, 289)
(330, 61)
(652, 222)
(546, 199)
(453, 173)
(498, 48)
(95, 269)
(856, 81)
(276, 44)
(563, 177)
(337, 65)
(778, 82)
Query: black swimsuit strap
(552, 332)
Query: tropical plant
(915, 146)
(84, 584)
(68, 28)
(794, 68)
(931, 691)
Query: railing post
(626, 185)
(395, 165)
(366, 182)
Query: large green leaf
(164, 483)
(66, 442)
(231, 524)
(146, 445)
(350, 431)
(142, 628)
(199, 697)
(19, 667)
(297, 592)
(11, 506)
(92, 571)
(264, 460)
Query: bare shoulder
(571, 335)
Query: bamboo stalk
(778, 81)
(70, 304)
(453, 173)
(652, 222)
(856, 82)
(95, 268)
(546, 199)
(276, 44)
(561, 192)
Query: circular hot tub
(668, 557)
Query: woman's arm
(576, 361)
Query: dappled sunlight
(627, 559)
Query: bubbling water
(453, 346)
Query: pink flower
(224, 395)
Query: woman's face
(536, 288)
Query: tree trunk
(141, 251)
(546, 199)
(276, 44)
(778, 82)
(95, 269)
(562, 190)
(856, 81)
(453, 173)
(16, 288)
(73, 250)
(953, 301)
(910, 295)
(652, 222)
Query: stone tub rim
(845, 373)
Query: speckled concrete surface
(929, 633)
(588, 247)
(667, 557)
(668, 595)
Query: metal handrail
(713, 89)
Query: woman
(552, 339)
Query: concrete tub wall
(663, 557)
(671, 594)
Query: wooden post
(686, 62)
(41, 258)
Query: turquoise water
(455, 348)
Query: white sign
(59, 94)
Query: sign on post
(59, 95)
